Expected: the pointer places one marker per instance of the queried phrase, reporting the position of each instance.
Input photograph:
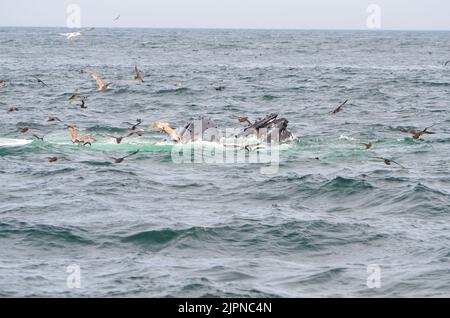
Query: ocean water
(151, 227)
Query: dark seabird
(53, 119)
(388, 161)
(40, 81)
(417, 134)
(38, 138)
(119, 139)
(120, 160)
(340, 108)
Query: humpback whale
(264, 128)
(205, 129)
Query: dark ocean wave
(42, 233)
(278, 239)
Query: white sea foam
(6, 142)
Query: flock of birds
(133, 128)
(416, 134)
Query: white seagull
(71, 35)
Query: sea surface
(152, 227)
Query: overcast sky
(290, 14)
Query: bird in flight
(120, 160)
(340, 108)
(243, 120)
(138, 74)
(53, 119)
(71, 35)
(75, 96)
(24, 129)
(13, 109)
(38, 138)
(40, 81)
(165, 127)
(80, 140)
(101, 84)
(368, 145)
(117, 18)
(388, 162)
(134, 126)
(417, 134)
(119, 139)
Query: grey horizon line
(231, 28)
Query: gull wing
(98, 79)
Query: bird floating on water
(52, 159)
(368, 145)
(13, 109)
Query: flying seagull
(40, 81)
(71, 35)
(340, 108)
(101, 84)
(120, 160)
(388, 161)
(138, 74)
